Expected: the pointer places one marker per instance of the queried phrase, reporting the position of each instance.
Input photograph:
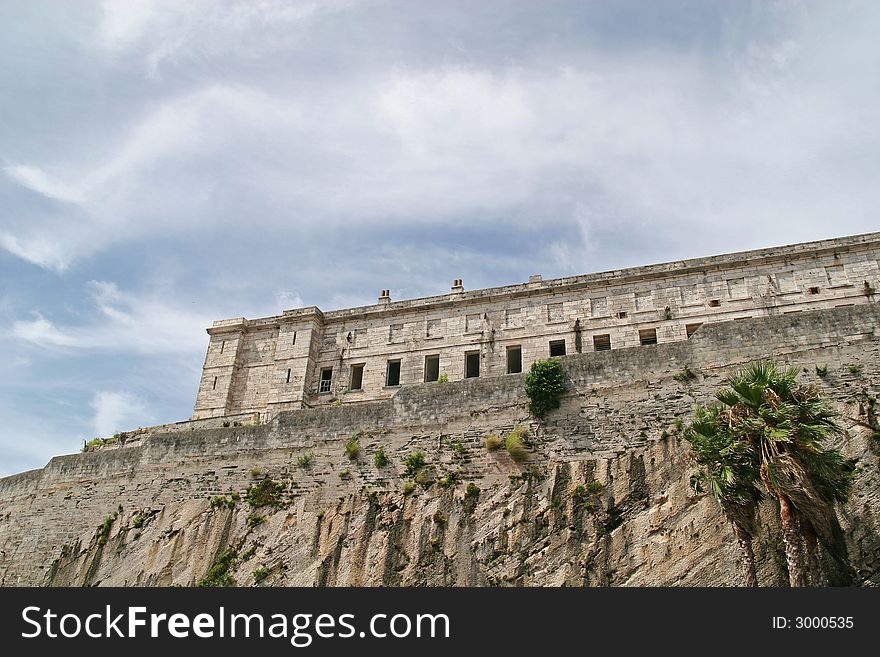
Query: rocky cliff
(602, 497)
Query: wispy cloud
(118, 411)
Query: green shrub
(345, 475)
(854, 369)
(685, 375)
(439, 518)
(472, 491)
(425, 476)
(266, 492)
(379, 458)
(822, 371)
(493, 442)
(457, 448)
(260, 574)
(305, 460)
(449, 480)
(219, 574)
(103, 532)
(545, 385)
(353, 447)
(409, 487)
(413, 463)
(442, 379)
(515, 444)
(336, 403)
(255, 519)
(221, 501)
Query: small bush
(221, 501)
(345, 475)
(685, 375)
(256, 473)
(305, 461)
(493, 442)
(353, 447)
(103, 532)
(442, 379)
(138, 521)
(255, 519)
(413, 463)
(545, 385)
(265, 493)
(409, 487)
(822, 371)
(219, 574)
(424, 477)
(336, 403)
(515, 444)
(449, 480)
(457, 448)
(472, 491)
(595, 487)
(854, 369)
(439, 518)
(260, 574)
(379, 458)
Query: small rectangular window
(288, 375)
(714, 303)
(602, 342)
(472, 364)
(621, 314)
(814, 290)
(293, 341)
(514, 360)
(554, 312)
(214, 385)
(326, 378)
(557, 348)
(690, 329)
(432, 368)
(356, 382)
(392, 373)
(648, 336)
(222, 346)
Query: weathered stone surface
(348, 522)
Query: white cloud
(39, 181)
(125, 322)
(118, 411)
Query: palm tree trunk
(811, 550)
(748, 555)
(792, 540)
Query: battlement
(305, 357)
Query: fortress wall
(622, 405)
(664, 298)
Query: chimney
(385, 296)
(457, 287)
(535, 278)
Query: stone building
(305, 357)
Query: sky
(165, 164)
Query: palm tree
(786, 426)
(729, 469)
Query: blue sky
(165, 164)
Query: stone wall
(272, 364)
(345, 521)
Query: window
(813, 290)
(599, 307)
(513, 317)
(222, 346)
(472, 364)
(514, 360)
(602, 342)
(621, 314)
(557, 348)
(472, 323)
(432, 368)
(392, 373)
(836, 275)
(293, 342)
(648, 336)
(356, 380)
(326, 378)
(690, 329)
(214, 385)
(395, 333)
(432, 329)
(554, 312)
(714, 303)
(644, 301)
(288, 376)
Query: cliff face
(602, 498)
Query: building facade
(305, 357)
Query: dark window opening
(288, 375)
(357, 377)
(690, 329)
(714, 303)
(293, 342)
(326, 377)
(814, 290)
(557, 348)
(432, 368)
(514, 360)
(602, 342)
(392, 373)
(214, 386)
(648, 336)
(222, 346)
(621, 314)
(472, 365)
